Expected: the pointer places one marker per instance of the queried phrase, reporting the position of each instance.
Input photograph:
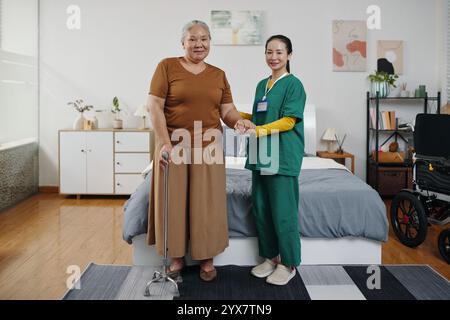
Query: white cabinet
(102, 162)
(86, 162)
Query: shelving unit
(396, 175)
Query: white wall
(19, 19)
(120, 43)
(18, 69)
(442, 11)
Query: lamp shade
(329, 134)
(141, 111)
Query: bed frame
(314, 251)
(244, 252)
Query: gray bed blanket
(333, 204)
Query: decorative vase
(95, 121)
(383, 89)
(118, 124)
(422, 91)
(78, 124)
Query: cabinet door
(132, 141)
(72, 162)
(99, 162)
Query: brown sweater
(189, 97)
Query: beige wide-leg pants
(197, 207)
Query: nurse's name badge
(262, 106)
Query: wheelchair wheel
(409, 219)
(444, 245)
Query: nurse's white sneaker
(281, 276)
(264, 269)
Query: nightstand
(338, 157)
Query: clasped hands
(244, 126)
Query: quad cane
(163, 276)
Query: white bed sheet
(308, 163)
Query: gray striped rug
(386, 282)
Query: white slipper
(281, 276)
(264, 269)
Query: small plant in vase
(118, 124)
(81, 107)
(382, 82)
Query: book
(392, 120)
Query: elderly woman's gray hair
(192, 23)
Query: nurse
(278, 116)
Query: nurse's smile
(277, 57)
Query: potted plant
(81, 107)
(381, 82)
(118, 124)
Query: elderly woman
(185, 90)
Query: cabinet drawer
(127, 183)
(132, 141)
(131, 162)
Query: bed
(342, 220)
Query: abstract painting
(349, 46)
(236, 27)
(390, 56)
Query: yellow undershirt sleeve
(283, 124)
(245, 115)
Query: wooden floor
(44, 235)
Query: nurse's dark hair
(287, 43)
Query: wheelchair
(412, 211)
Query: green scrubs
(275, 192)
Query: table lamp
(329, 136)
(142, 112)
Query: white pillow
(235, 162)
(148, 169)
